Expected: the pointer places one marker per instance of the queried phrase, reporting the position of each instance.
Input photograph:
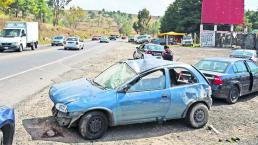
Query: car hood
(74, 91)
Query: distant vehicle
(7, 125)
(245, 54)
(124, 37)
(112, 37)
(96, 38)
(104, 40)
(19, 35)
(73, 43)
(161, 41)
(132, 91)
(143, 39)
(58, 40)
(187, 41)
(230, 78)
(131, 39)
(148, 50)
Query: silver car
(73, 43)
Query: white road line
(41, 66)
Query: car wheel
(65, 48)
(93, 125)
(32, 46)
(198, 115)
(134, 55)
(142, 57)
(233, 96)
(1, 138)
(20, 48)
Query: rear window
(242, 53)
(72, 39)
(214, 66)
(59, 37)
(155, 48)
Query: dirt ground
(237, 124)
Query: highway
(24, 73)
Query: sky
(156, 7)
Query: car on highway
(104, 39)
(245, 54)
(58, 40)
(7, 125)
(230, 78)
(123, 37)
(143, 39)
(73, 43)
(112, 37)
(96, 38)
(133, 91)
(131, 39)
(148, 50)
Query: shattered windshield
(11, 33)
(115, 76)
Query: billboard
(207, 38)
(222, 11)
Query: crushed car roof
(142, 65)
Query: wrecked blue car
(133, 91)
(7, 122)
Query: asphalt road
(22, 74)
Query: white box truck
(19, 35)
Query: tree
(4, 4)
(154, 28)
(182, 16)
(74, 16)
(22, 7)
(126, 29)
(41, 10)
(143, 20)
(57, 6)
(136, 27)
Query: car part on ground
(133, 91)
(230, 78)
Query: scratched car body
(133, 91)
(6, 125)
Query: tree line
(46, 11)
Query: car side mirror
(124, 89)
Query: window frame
(176, 86)
(143, 75)
(247, 69)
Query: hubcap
(234, 95)
(95, 125)
(199, 115)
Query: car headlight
(61, 107)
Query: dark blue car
(7, 126)
(230, 78)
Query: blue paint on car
(7, 125)
(133, 91)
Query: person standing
(167, 55)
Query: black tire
(134, 55)
(20, 48)
(233, 96)
(197, 116)
(1, 137)
(1, 50)
(65, 48)
(142, 57)
(32, 46)
(36, 45)
(93, 125)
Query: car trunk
(211, 76)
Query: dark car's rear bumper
(220, 91)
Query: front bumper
(9, 47)
(66, 119)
